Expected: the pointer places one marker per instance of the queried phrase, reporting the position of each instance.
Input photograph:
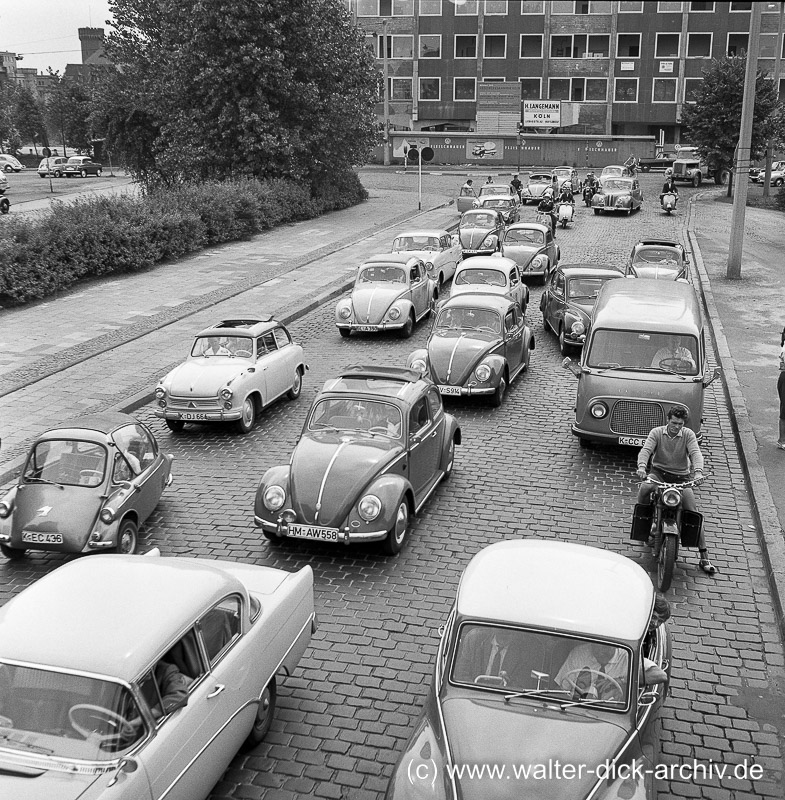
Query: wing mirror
(716, 374)
(573, 366)
(125, 765)
(647, 699)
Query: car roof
(560, 586)
(541, 174)
(588, 270)
(350, 381)
(423, 232)
(104, 423)
(119, 612)
(485, 262)
(250, 325)
(499, 196)
(659, 243)
(492, 300)
(646, 304)
(401, 259)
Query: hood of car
(472, 238)
(453, 354)
(48, 508)
(329, 470)
(203, 377)
(371, 301)
(521, 254)
(610, 197)
(582, 309)
(526, 736)
(33, 783)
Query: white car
(236, 368)
(438, 250)
(3, 183)
(9, 163)
(491, 275)
(777, 174)
(51, 166)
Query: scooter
(664, 523)
(668, 202)
(545, 218)
(565, 213)
(588, 193)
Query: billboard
(485, 149)
(542, 113)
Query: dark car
(480, 231)
(662, 259)
(617, 194)
(375, 445)
(479, 344)
(78, 165)
(568, 301)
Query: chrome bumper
(280, 528)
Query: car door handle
(219, 687)
(434, 433)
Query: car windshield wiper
(603, 367)
(324, 426)
(533, 693)
(21, 744)
(590, 701)
(32, 479)
(670, 372)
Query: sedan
(436, 248)
(568, 301)
(479, 231)
(493, 275)
(507, 204)
(51, 166)
(479, 345)
(549, 656)
(375, 445)
(79, 165)
(568, 176)
(617, 194)
(662, 259)
(139, 677)
(538, 183)
(86, 487)
(532, 247)
(616, 171)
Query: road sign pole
(419, 182)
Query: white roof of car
(423, 232)
(559, 586)
(500, 263)
(528, 226)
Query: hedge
(42, 255)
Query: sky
(45, 32)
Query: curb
(764, 512)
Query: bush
(102, 235)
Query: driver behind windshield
(457, 318)
(594, 671)
(673, 356)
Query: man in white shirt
(595, 671)
(674, 354)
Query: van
(646, 352)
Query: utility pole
(386, 97)
(743, 151)
(777, 68)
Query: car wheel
(778, 182)
(83, 173)
(175, 425)
(564, 347)
(345, 332)
(248, 416)
(264, 716)
(12, 553)
(9, 168)
(395, 536)
(4, 205)
(127, 538)
(450, 459)
(596, 212)
(58, 174)
(441, 280)
(696, 180)
(497, 398)
(645, 167)
(408, 328)
(98, 173)
(297, 385)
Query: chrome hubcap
(247, 412)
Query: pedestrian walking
(781, 392)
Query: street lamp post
(386, 97)
(777, 69)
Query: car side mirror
(716, 374)
(573, 366)
(648, 699)
(125, 765)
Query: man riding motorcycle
(669, 187)
(547, 206)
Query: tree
(29, 116)
(68, 111)
(712, 122)
(221, 88)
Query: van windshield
(643, 350)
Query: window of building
(664, 90)
(581, 7)
(495, 8)
(531, 45)
(430, 89)
(402, 8)
(692, 87)
(400, 88)
(625, 90)
(580, 45)
(431, 46)
(628, 45)
(493, 80)
(531, 88)
(741, 6)
(669, 7)
(578, 90)
(469, 8)
(630, 7)
(737, 43)
(701, 6)
(768, 45)
(770, 8)
(400, 47)
(781, 88)
(535, 7)
(430, 8)
(465, 46)
(367, 8)
(562, 7)
(667, 45)
(699, 45)
(464, 89)
(494, 45)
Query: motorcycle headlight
(274, 497)
(578, 328)
(226, 394)
(369, 507)
(345, 312)
(160, 392)
(107, 515)
(598, 410)
(394, 313)
(482, 373)
(5, 510)
(671, 497)
(419, 365)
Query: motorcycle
(665, 524)
(668, 202)
(565, 213)
(544, 218)
(588, 193)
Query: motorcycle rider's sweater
(674, 454)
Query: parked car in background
(532, 247)
(374, 447)
(777, 174)
(9, 163)
(87, 486)
(662, 259)
(479, 231)
(537, 184)
(553, 609)
(568, 175)
(392, 292)
(479, 345)
(493, 275)
(167, 667)
(493, 188)
(3, 183)
(52, 166)
(661, 161)
(508, 205)
(79, 165)
(616, 171)
(436, 248)
(236, 368)
(617, 194)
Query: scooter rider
(591, 180)
(566, 196)
(669, 187)
(547, 206)
(674, 451)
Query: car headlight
(274, 497)
(429, 265)
(345, 312)
(598, 410)
(539, 262)
(107, 515)
(491, 241)
(226, 394)
(160, 392)
(5, 510)
(394, 313)
(621, 202)
(476, 204)
(482, 373)
(369, 507)
(671, 497)
(578, 328)
(419, 365)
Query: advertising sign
(485, 149)
(542, 113)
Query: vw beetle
(661, 259)
(493, 275)
(436, 248)
(480, 230)
(532, 247)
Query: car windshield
(656, 255)
(643, 351)
(475, 275)
(541, 178)
(586, 288)
(382, 274)
(498, 202)
(469, 319)
(405, 243)
(494, 189)
(612, 171)
(495, 658)
(67, 462)
(48, 713)
(478, 221)
(616, 184)
(356, 414)
(227, 346)
(521, 236)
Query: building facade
(617, 68)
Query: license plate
(633, 441)
(192, 415)
(313, 532)
(35, 537)
(366, 328)
(454, 390)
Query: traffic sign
(413, 155)
(427, 154)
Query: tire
(175, 425)
(451, 462)
(564, 348)
(297, 386)
(83, 173)
(722, 177)
(397, 534)
(645, 167)
(666, 562)
(99, 173)
(585, 444)
(778, 182)
(408, 328)
(345, 332)
(127, 538)
(596, 212)
(9, 168)
(246, 421)
(58, 174)
(12, 553)
(264, 716)
(4, 205)
(441, 280)
(497, 398)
